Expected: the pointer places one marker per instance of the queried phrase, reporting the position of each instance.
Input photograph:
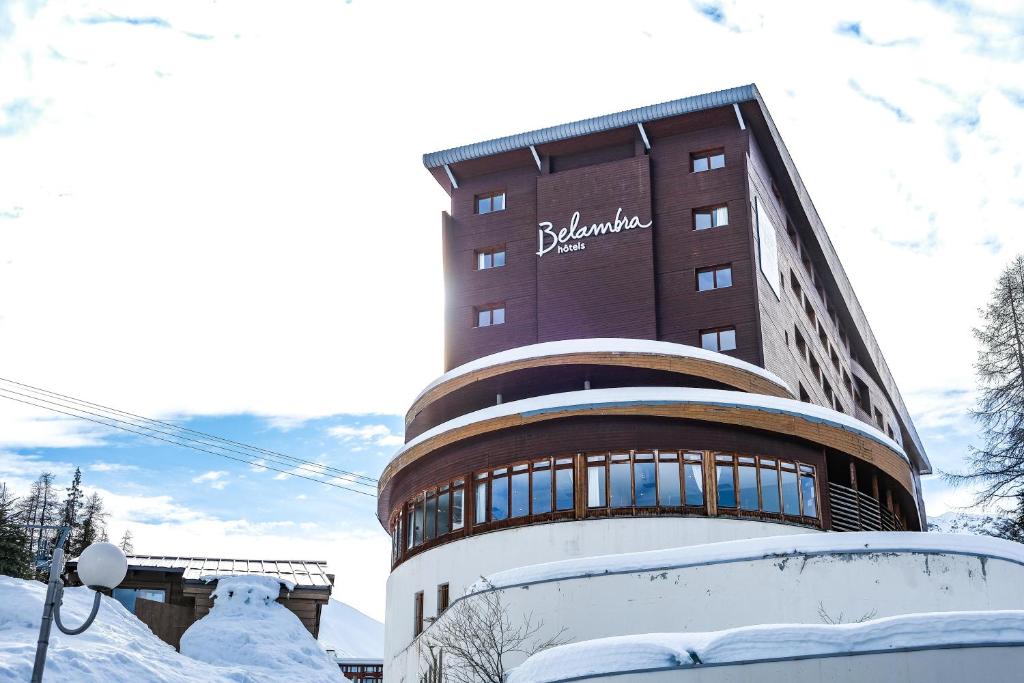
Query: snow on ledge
(602, 345)
(770, 547)
(770, 642)
(257, 580)
(633, 396)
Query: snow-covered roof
(635, 396)
(769, 642)
(297, 573)
(798, 545)
(602, 345)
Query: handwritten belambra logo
(549, 238)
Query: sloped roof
(302, 573)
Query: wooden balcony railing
(856, 511)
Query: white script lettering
(549, 238)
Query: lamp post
(102, 565)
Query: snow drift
(117, 648)
(349, 632)
(657, 651)
(247, 628)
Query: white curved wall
(463, 562)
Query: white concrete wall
(931, 666)
(461, 563)
(701, 598)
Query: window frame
(490, 310)
(489, 197)
(714, 270)
(491, 253)
(712, 212)
(717, 331)
(706, 155)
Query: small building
(360, 668)
(169, 593)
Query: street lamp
(101, 565)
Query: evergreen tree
(127, 542)
(40, 508)
(15, 557)
(94, 525)
(997, 467)
(72, 509)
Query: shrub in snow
(247, 628)
(117, 648)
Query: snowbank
(349, 632)
(602, 345)
(633, 396)
(860, 542)
(769, 642)
(117, 648)
(247, 628)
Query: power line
(274, 454)
(187, 442)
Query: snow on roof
(633, 396)
(296, 573)
(860, 542)
(769, 642)
(602, 345)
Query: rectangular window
(128, 596)
(801, 345)
(712, 217)
(417, 524)
(490, 258)
(480, 501)
(564, 498)
(769, 486)
(442, 598)
(644, 482)
(490, 202)
(707, 161)
(499, 494)
(808, 494)
(429, 530)
(443, 509)
(620, 484)
(596, 497)
(520, 491)
(693, 476)
(486, 316)
(417, 623)
(721, 339)
(458, 506)
(790, 490)
(668, 479)
(541, 488)
(717, 277)
(725, 482)
(748, 484)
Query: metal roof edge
(597, 124)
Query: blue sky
(217, 213)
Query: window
(861, 395)
(795, 286)
(707, 161)
(747, 483)
(717, 277)
(645, 479)
(128, 596)
(722, 339)
(486, 316)
(491, 202)
(823, 336)
(809, 310)
(815, 368)
(524, 490)
(804, 396)
(878, 419)
(713, 217)
(801, 345)
(417, 619)
(442, 598)
(434, 513)
(490, 258)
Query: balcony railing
(856, 511)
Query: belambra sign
(571, 238)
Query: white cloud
(377, 433)
(111, 467)
(215, 478)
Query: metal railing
(856, 511)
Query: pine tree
(40, 508)
(997, 467)
(72, 509)
(94, 525)
(15, 557)
(127, 542)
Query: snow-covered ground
(769, 642)
(248, 628)
(117, 647)
(349, 632)
(246, 638)
(964, 523)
